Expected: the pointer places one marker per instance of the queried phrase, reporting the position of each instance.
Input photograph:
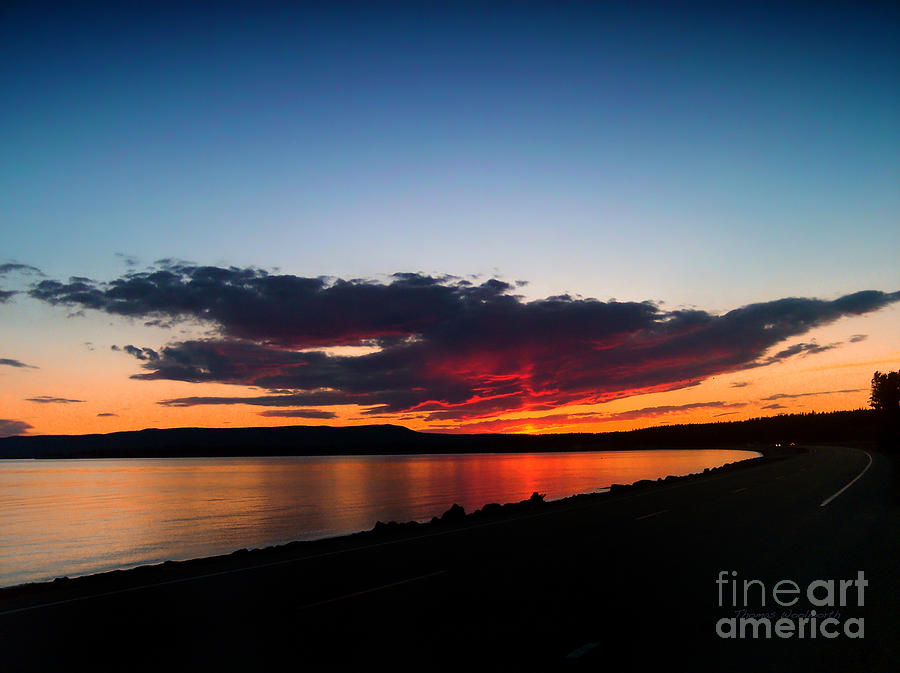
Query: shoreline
(453, 519)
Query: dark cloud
(447, 347)
(740, 384)
(561, 420)
(785, 396)
(12, 268)
(856, 338)
(163, 324)
(651, 412)
(10, 428)
(49, 399)
(774, 406)
(128, 260)
(106, 415)
(283, 400)
(9, 362)
(147, 354)
(298, 413)
(279, 309)
(19, 268)
(796, 349)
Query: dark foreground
(626, 581)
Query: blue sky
(709, 155)
(568, 146)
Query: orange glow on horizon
(836, 379)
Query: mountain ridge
(311, 440)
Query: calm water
(76, 517)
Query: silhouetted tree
(885, 395)
(885, 399)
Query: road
(627, 582)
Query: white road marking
(369, 591)
(647, 516)
(827, 500)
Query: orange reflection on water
(73, 517)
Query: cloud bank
(10, 362)
(787, 396)
(298, 413)
(50, 399)
(569, 420)
(443, 348)
(11, 428)
(13, 267)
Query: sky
(458, 217)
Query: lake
(77, 517)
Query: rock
(455, 513)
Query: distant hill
(859, 426)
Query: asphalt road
(627, 582)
